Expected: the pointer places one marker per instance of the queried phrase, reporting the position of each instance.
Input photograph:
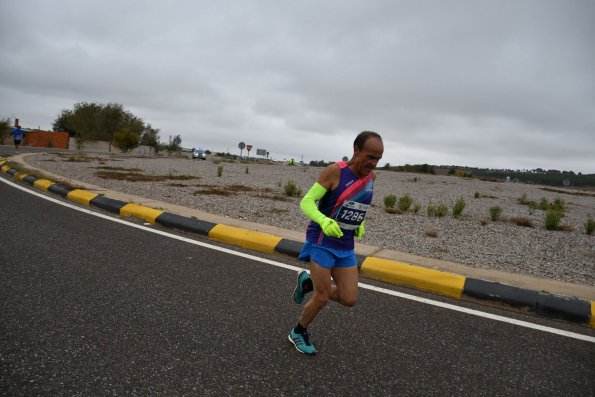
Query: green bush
(441, 210)
(543, 204)
(558, 205)
(458, 208)
(437, 210)
(390, 201)
(495, 213)
(552, 219)
(291, 189)
(405, 202)
(416, 208)
(589, 225)
(477, 195)
(220, 171)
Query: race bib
(351, 214)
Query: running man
(17, 136)
(344, 194)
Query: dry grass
(138, 177)
(564, 228)
(522, 221)
(214, 191)
(392, 210)
(431, 233)
(548, 189)
(137, 170)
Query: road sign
(249, 147)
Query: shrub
(441, 210)
(390, 210)
(291, 189)
(589, 225)
(390, 201)
(126, 140)
(543, 204)
(477, 195)
(220, 171)
(495, 213)
(524, 201)
(458, 207)
(438, 210)
(431, 209)
(416, 208)
(405, 202)
(247, 170)
(558, 205)
(552, 219)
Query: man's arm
(328, 180)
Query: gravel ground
(255, 192)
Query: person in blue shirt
(17, 136)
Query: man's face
(366, 158)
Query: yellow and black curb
(443, 283)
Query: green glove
(330, 227)
(310, 209)
(361, 229)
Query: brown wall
(57, 140)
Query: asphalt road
(93, 307)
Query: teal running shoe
(299, 293)
(301, 342)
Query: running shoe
(301, 342)
(298, 292)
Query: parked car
(199, 153)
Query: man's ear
(355, 150)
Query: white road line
(296, 268)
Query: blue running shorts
(327, 257)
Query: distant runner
(17, 136)
(344, 194)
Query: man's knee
(321, 298)
(348, 300)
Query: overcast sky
(499, 84)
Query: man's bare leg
(344, 291)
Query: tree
(5, 128)
(174, 144)
(91, 121)
(126, 140)
(151, 137)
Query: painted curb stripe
(108, 204)
(189, 224)
(426, 279)
(556, 306)
(139, 211)
(81, 196)
(11, 171)
(60, 189)
(289, 247)
(489, 290)
(43, 184)
(248, 239)
(5, 169)
(20, 176)
(30, 179)
(592, 319)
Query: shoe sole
(296, 348)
